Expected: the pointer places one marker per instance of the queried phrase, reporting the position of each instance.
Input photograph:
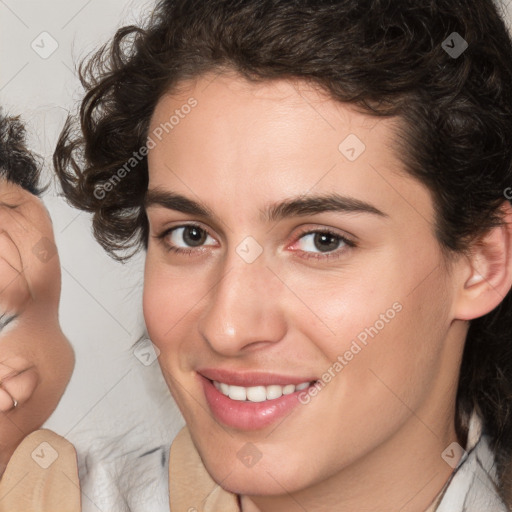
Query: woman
(320, 189)
(38, 468)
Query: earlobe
(487, 275)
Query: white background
(111, 391)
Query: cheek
(156, 300)
(336, 309)
(379, 323)
(14, 291)
(169, 299)
(392, 355)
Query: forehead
(282, 107)
(26, 233)
(23, 214)
(15, 195)
(281, 136)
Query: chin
(252, 485)
(258, 480)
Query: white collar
(472, 486)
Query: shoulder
(42, 474)
(190, 485)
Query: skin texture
(36, 359)
(390, 410)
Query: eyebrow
(292, 207)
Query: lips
(249, 400)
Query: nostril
(20, 386)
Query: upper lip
(251, 378)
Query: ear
(486, 275)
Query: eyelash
(5, 320)
(334, 254)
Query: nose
(243, 310)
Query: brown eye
(183, 239)
(322, 244)
(320, 241)
(194, 236)
(326, 242)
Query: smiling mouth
(259, 393)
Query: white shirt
(472, 485)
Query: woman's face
(36, 359)
(287, 246)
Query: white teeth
(237, 393)
(258, 393)
(290, 388)
(274, 392)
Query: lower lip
(248, 415)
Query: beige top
(191, 488)
(41, 476)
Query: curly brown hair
(386, 58)
(17, 164)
